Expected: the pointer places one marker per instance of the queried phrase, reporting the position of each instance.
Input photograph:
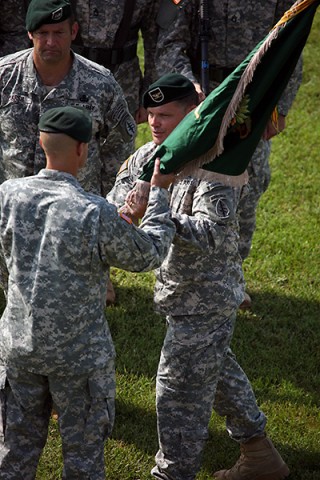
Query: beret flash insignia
(57, 14)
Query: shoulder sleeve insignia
(124, 166)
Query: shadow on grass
(283, 333)
(276, 342)
(138, 427)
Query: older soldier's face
(52, 41)
(163, 119)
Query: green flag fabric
(222, 133)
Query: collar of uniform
(32, 82)
(49, 174)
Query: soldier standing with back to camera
(228, 30)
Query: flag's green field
(277, 343)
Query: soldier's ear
(74, 30)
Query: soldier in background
(50, 75)
(55, 343)
(233, 29)
(13, 33)
(108, 35)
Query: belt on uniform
(108, 57)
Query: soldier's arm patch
(222, 209)
(167, 12)
(124, 166)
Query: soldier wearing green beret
(228, 30)
(51, 75)
(57, 241)
(199, 288)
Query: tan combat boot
(259, 460)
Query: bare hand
(159, 179)
(136, 205)
(273, 129)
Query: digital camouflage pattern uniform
(199, 287)
(235, 28)
(24, 99)
(58, 241)
(13, 34)
(99, 21)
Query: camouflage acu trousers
(259, 179)
(85, 407)
(197, 372)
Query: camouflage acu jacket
(57, 242)
(24, 98)
(202, 271)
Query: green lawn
(277, 343)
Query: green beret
(71, 121)
(41, 12)
(168, 88)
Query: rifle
(204, 42)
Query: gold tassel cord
(293, 11)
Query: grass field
(277, 343)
